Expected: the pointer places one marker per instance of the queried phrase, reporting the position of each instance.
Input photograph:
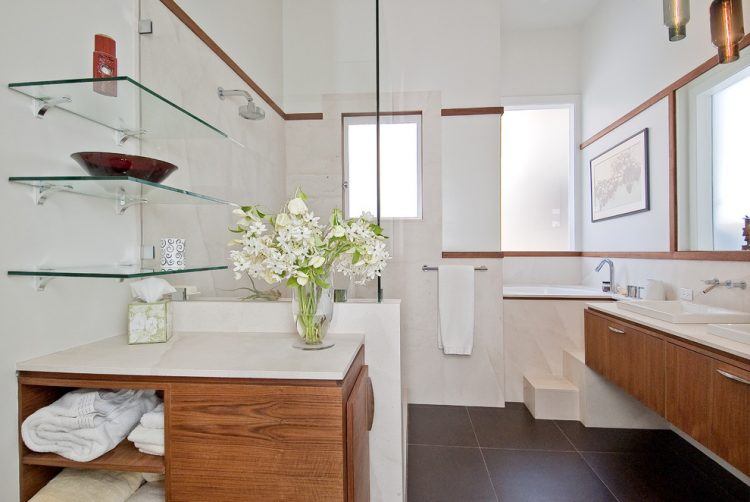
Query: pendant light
(676, 17)
(727, 28)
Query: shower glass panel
(306, 64)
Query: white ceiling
(544, 14)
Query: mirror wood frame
(670, 93)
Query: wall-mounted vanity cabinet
(702, 391)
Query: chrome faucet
(611, 272)
(715, 283)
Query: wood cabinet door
(689, 379)
(234, 442)
(631, 358)
(646, 379)
(595, 342)
(730, 415)
(358, 409)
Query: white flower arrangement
(293, 246)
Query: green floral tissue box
(149, 322)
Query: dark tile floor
(460, 454)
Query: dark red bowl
(118, 164)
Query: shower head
(250, 111)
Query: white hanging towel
(456, 309)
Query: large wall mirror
(713, 159)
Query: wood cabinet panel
(256, 442)
(596, 343)
(631, 358)
(730, 415)
(688, 398)
(358, 442)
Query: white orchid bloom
(339, 231)
(302, 278)
(317, 261)
(283, 220)
(297, 206)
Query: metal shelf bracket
(123, 202)
(41, 106)
(40, 283)
(121, 136)
(42, 192)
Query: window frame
(407, 117)
(572, 103)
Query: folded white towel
(145, 435)
(154, 419)
(150, 449)
(150, 492)
(79, 485)
(84, 424)
(456, 309)
(150, 477)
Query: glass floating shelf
(113, 271)
(125, 190)
(134, 110)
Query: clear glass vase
(312, 309)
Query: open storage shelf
(113, 272)
(133, 111)
(125, 457)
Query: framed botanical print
(619, 179)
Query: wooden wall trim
(211, 44)
(673, 255)
(541, 254)
(487, 110)
(382, 114)
(673, 243)
(664, 93)
(472, 254)
(303, 116)
(631, 255)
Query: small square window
(400, 165)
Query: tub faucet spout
(607, 261)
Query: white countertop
(697, 333)
(223, 355)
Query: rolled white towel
(154, 419)
(150, 492)
(145, 435)
(150, 477)
(84, 424)
(79, 485)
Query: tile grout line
(484, 461)
(585, 462)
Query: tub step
(550, 397)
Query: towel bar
(425, 268)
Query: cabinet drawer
(730, 415)
(688, 399)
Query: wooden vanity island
(247, 416)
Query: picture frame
(619, 179)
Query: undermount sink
(679, 312)
(736, 332)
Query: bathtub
(544, 291)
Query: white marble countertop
(223, 355)
(697, 333)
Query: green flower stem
(307, 303)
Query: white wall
(253, 174)
(329, 48)
(250, 31)
(621, 68)
(47, 40)
(471, 183)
